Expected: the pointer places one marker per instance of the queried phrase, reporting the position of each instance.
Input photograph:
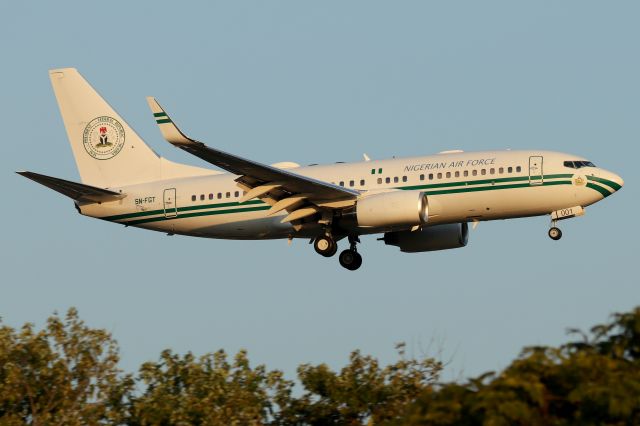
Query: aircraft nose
(617, 179)
(611, 180)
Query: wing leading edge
(270, 183)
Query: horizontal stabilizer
(74, 190)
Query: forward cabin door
(536, 176)
(170, 207)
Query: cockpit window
(578, 164)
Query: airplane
(418, 204)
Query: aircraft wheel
(555, 233)
(325, 246)
(350, 259)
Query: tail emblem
(103, 138)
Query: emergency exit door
(170, 207)
(536, 176)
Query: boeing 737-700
(418, 204)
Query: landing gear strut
(554, 232)
(325, 246)
(350, 258)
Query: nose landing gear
(554, 232)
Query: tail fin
(108, 152)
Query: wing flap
(74, 190)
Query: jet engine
(438, 237)
(389, 209)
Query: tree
(363, 392)
(592, 381)
(64, 374)
(185, 390)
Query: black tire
(325, 246)
(555, 233)
(350, 259)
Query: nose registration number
(567, 213)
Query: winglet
(169, 130)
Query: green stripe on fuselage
(609, 183)
(195, 214)
(604, 191)
(180, 209)
(432, 189)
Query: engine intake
(438, 237)
(389, 209)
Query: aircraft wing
(258, 179)
(74, 190)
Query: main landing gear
(350, 259)
(325, 246)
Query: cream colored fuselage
(461, 187)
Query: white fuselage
(474, 186)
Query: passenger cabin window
(430, 176)
(211, 196)
(388, 180)
(361, 182)
(201, 197)
(466, 173)
(483, 172)
(228, 195)
(475, 173)
(510, 170)
(501, 170)
(379, 181)
(395, 179)
(492, 171)
(341, 183)
(351, 183)
(421, 177)
(439, 175)
(236, 194)
(219, 195)
(457, 174)
(193, 198)
(404, 178)
(518, 169)
(448, 175)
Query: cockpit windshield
(578, 164)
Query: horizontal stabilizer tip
(75, 191)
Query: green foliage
(363, 391)
(207, 391)
(67, 374)
(64, 374)
(593, 381)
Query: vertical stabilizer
(108, 152)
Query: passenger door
(170, 207)
(536, 176)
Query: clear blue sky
(317, 82)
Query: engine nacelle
(389, 209)
(438, 237)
